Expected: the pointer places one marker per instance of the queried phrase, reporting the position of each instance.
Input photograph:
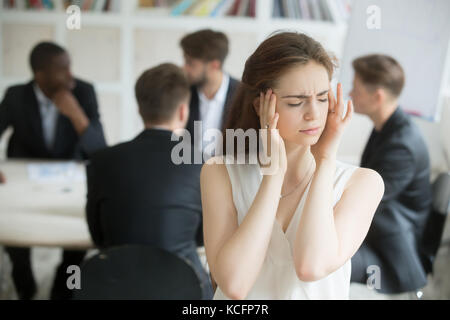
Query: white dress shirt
(49, 116)
(211, 110)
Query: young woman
(291, 234)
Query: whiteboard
(414, 32)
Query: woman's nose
(312, 112)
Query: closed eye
(295, 105)
(323, 100)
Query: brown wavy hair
(273, 57)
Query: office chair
(139, 273)
(434, 228)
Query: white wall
(112, 51)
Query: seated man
(136, 193)
(397, 151)
(212, 89)
(54, 116)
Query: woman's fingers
(266, 107)
(349, 113)
(267, 103)
(271, 108)
(261, 109)
(274, 122)
(330, 101)
(339, 108)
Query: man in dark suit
(397, 151)
(137, 194)
(212, 89)
(54, 116)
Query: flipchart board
(414, 32)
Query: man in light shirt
(54, 116)
(212, 89)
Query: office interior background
(112, 48)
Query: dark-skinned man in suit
(54, 116)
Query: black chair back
(139, 273)
(434, 227)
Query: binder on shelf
(252, 9)
(181, 7)
(277, 7)
(99, 5)
(222, 8)
(196, 5)
(319, 10)
(305, 9)
(315, 10)
(243, 8)
(206, 8)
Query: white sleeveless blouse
(277, 278)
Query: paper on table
(59, 172)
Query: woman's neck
(299, 161)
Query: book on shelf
(59, 5)
(201, 8)
(318, 10)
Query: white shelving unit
(138, 39)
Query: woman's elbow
(310, 274)
(235, 292)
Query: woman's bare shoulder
(366, 179)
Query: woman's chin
(305, 141)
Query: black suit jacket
(399, 154)
(194, 115)
(194, 105)
(137, 195)
(20, 110)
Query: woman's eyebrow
(303, 96)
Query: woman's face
(302, 103)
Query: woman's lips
(311, 132)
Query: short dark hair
(380, 70)
(159, 91)
(206, 45)
(40, 57)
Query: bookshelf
(113, 47)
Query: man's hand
(2, 178)
(69, 107)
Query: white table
(34, 213)
(37, 213)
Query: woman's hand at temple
(327, 146)
(272, 142)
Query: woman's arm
(235, 253)
(327, 237)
